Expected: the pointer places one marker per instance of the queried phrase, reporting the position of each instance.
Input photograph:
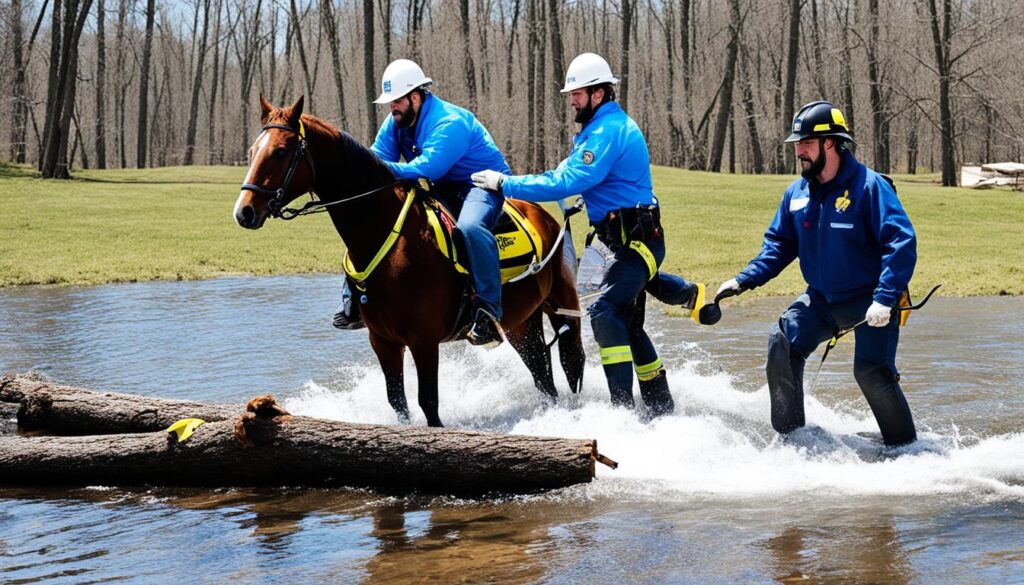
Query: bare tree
(101, 88)
(327, 16)
(197, 86)
(368, 67)
(725, 103)
(55, 159)
(147, 53)
(791, 66)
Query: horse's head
(280, 166)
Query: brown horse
(413, 296)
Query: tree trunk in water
(368, 70)
(197, 86)
(725, 103)
(147, 53)
(101, 87)
(264, 445)
(791, 64)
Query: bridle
(277, 202)
(276, 205)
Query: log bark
(265, 446)
(67, 410)
(260, 444)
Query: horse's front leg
(426, 357)
(390, 355)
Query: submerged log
(67, 410)
(265, 446)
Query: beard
(405, 118)
(814, 169)
(584, 114)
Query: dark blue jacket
(851, 234)
(447, 145)
(609, 166)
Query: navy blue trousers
(808, 322)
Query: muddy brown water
(707, 495)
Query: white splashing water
(718, 443)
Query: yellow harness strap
(359, 278)
(648, 256)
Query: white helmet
(401, 77)
(586, 70)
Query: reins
(276, 203)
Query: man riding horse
(444, 144)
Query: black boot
(485, 330)
(656, 396)
(346, 316)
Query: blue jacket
(609, 166)
(449, 145)
(851, 234)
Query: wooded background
(924, 84)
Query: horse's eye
(280, 152)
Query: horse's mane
(357, 158)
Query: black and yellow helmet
(819, 119)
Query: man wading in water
(610, 167)
(857, 252)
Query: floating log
(266, 446)
(67, 410)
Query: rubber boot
(656, 395)
(346, 316)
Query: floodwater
(707, 495)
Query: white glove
(490, 180)
(730, 284)
(878, 315)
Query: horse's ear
(295, 111)
(267, 108)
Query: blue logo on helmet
(387, 86)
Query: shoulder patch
(588, 157)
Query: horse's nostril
(248, 216)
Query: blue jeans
(812, 320)
(480, 212)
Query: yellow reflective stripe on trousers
(649, 371)
(616, 354)
(648, 256)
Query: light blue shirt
(449, 145)
(609, 166)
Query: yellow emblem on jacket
(843, 202)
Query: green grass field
(176, 223)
